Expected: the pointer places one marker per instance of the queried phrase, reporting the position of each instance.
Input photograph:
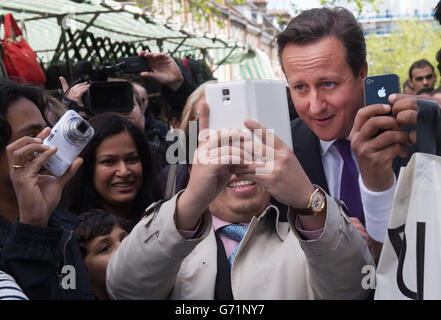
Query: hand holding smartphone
(377, 90)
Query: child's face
(99, 251)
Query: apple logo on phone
(382, 92)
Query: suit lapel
(307, 150)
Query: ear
(364, 70)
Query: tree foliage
(409, 41)
(200, 10)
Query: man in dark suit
(323, 55)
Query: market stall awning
(45, 21)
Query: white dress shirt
(376, 205)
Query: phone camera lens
(225, 92)
(368, 81)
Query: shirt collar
(326, 145)
(219, 223)
(280, 229)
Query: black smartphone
(377, 89)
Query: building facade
(381, 21)
(248, 24)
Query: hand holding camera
(37, 192)
(91, 90)
(70, 135)
(76, 92)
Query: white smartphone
(264, 101)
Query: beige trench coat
(272, 262)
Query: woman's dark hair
(80, 194)
(315, 24)
(95, 223)
(11, 92)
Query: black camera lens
(82, 127)
(115, 96)
(225, 92)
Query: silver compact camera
(70, 134)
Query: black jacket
(177, 99)
(156, 133)
(35, 257)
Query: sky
(285, 4)
(409, 5)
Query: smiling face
(240, 201)
(323, 88)
(118, 173)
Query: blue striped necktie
(235, 232)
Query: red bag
(19, 59)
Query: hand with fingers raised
(164, 69)
(76, 92)
(37, 191)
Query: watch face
(317, 202)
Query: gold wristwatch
(317, 203)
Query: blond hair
(188, 112)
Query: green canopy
(44, 23)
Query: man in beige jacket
(180, 250)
